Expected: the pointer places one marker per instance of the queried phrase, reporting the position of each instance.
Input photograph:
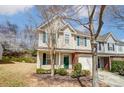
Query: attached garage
(86, 62)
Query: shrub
(6, 59)
(40, 71)
(27, 60)
(85, 73)
(61, 71)
(34, 53)
(116, 66)
(74, 74)
(43, 71)
(77, 66)
(77, 70)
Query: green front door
(66, 62)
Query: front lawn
(15, 75)
(24, 75)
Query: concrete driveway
(111, 79)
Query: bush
(18, 59)
(77, 66)
(34, 53)
(116, 66)
(61, 71)
(77, 70)
(28, 60)
(6, 59)
(43, 71)
(85, 73)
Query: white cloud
(13, 9)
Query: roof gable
(61, 21)
(105, 37)
(52, 20)
(110, 37)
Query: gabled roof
(103, 38)
(50, 20)
(63, 27)
(69, 26)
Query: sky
(22, 15)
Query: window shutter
(108, 46)
(85, 41)
(99, 45)
(78, 40)
(113, 47)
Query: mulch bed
(45, 80)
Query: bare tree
(49, 13)
(117, 13)
(68, 13)
(89, 25)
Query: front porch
(104, 62)
(62, 60)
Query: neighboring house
(108, 49)
(74, 46)
(1, 51)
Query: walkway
(111, 79)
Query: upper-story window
(44, 37)
(67, 38)
(120, 48)
(81, 41)
(111, 47)
(85, 41)
(101, 44)
(78, 40)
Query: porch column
(109, 63)
(59, 58)
(38, 59)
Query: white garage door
(86, 62)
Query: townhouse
(74, 46)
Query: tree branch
(100, 21)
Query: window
(85, 40)
(66, 38)
(81, 41)
(46, 59)
(100, 46)
(120, 49)
(78, 40)
(44, 37)
(111, 47)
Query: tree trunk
(94, 63)
(52, 65)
